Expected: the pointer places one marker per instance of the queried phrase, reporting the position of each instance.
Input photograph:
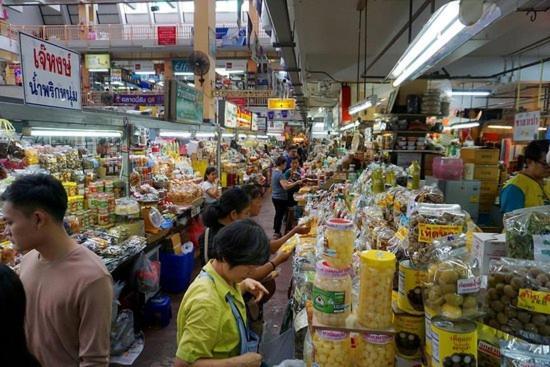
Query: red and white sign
(526, 126)
(51, 74)
(166, 35)
(244, 119)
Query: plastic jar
(339, 237)
(331, 295)
(375, 350)
(375, 294)
(332, 348)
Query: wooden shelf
(412, 151)
(354, 328)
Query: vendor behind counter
(526, 189)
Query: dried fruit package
(453, 285)
(517, 299)
(527, 231)
(516, 353)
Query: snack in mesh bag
(515, 300)
(453, 285)
(525, 230)
(517, 353)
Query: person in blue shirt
(292, 153)
(279, 195)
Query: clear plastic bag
(526, 231)
(453, 286)
(516, 353)
(147, 274)
(122, 333)
(516, 290)
(428, 222)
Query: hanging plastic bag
(527, 232)
(517, 353)
(147, 274)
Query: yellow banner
(281, 104)
(536, 301)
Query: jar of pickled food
(375, 294)
(375, 350)
(332, 348)
(331, 295)
(339, 236)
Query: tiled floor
(160, 345)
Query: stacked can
(408, 317)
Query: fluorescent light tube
(274, 134)
(350, 126)
(263, 137)
(204, 135)
(184, 73)
(360, 106)
(175, 134)
(542, 128)
(77, 133)
(464, 125)
(228, 135)
(98, 70)
(503, 127)
(144, 72)
(474, 93)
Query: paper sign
(166, 35)
(531, 300)
(526, 126)
(429, 232)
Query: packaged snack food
(331, 295)
(526, 232)
(516, 353)
(516, 301)
(376, 284)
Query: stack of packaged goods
(484, 165)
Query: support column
(168, 70)
(86, 18)
(205, 28)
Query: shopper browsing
(293, 174)
(12, 313)
(292, 153)
(233, 205)
(279, 187)
(210, 185)
(212, 322)
(526, 189)
(69, 290)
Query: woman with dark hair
(212, 321)
(210, 185)
(526, 189)
(279, 187)
(12, 332)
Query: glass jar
(332, 348)
(375, 350)
(376, 283)
(339, 237)
(331, 295)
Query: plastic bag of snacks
(440, 246)
(400, 204)
(516, 353)
(428, 222)
(526, 232)
(453, 285)
(515, 301)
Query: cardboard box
(480, 156)
(487, 247)
(489, 187)
(487, 173)
(487, 198)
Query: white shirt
(205, 186)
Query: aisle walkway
(160, 345)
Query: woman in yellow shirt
(212, 324)
(526, 189)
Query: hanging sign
(281, 104)
(51, 74)
(116, 76)
(526, 126)
(270, 115)
(138, 99)
(182, 66)
(166, 35)
(244, 119)
(227, 114)
(188, 104)
(97, 61)
(276, 127)
(258, 122)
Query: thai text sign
(138, 99)
(281, 104)
(51, 74)
(526, 126)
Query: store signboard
(188, 104)
(97, 61)
(138, 99)
(526, 126)
(116, 76)
(182, 66)
(51, 74)
(166, 35)
(281, 104)
(229, 112)
(276, 127)
(244, 119)
(259, 123)
(230, 37)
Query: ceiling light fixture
(144, 72)
(443, 34)
(76, 133)
(474, 93)
(183, 73)
(502, 127)
(175, 134)
(350, 126)
(98, 70)
(205, 135)
(464, 125)
(360, 106)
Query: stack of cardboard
(487, 171)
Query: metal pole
(358, 55)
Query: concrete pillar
(204, 29)
(168, 70)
